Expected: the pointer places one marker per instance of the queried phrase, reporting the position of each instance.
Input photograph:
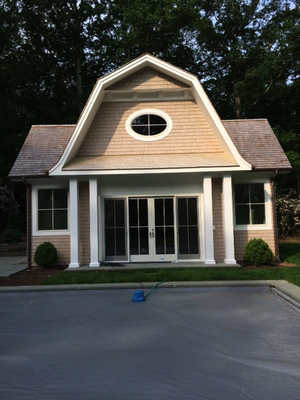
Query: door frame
(175, 257)
(152, 256)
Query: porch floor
(129, 266)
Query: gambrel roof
(254, 140)
(99, 143)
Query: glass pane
(183, 240)
(258, 214)
(241, 193)
(160, 241)
(144, 243)
(133, 212)
(120, 242)
(170, 248)
(109, 242)
(169, 214)
(157, 120)
(257, 194)
(242, 214)
(60, 198)
(109, 213)
(193, 240)
(60, 219)
(192, 211)
(44, 198)
(141, 130)
(182, 211)
(156, 129)
(134, 241)
(140, 120)
(120, 215)
(159, 212)
(45, 220)
(143, 212)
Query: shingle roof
(153, 161)
(257, 143)
(254, 139)
(41, 150)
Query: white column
(94, 235)
(208, 221)
(74, 231)
(228, 220)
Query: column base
(74, 265)
(209, 262)
(94, 264)
(230, 261)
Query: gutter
(273, 200)
(28, 221)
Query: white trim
(228, 220)
(148, 111)
(146, 60)
(268, 208)
(35, 209)
(155, 171)
(94, 237)
(74, 237)
(208, 221)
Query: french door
(142, 229)
(151, 229)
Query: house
(150, 174)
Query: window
(249, 204)
(52, 209)
(148, 125)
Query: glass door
(151, 229)
(115, 229)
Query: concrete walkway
(12, 265)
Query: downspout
(28, 222)
(273, 199)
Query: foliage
(8, 204)
(288, 213)
(45, 255)
(258, 252)
(11, 235)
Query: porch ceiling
(153, 161)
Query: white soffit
(126, 70)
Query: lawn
(289, 252)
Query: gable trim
(98, 93)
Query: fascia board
(146, 171)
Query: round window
(149, 125)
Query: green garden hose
(154, 287)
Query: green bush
(11, 235)
(45, 254)
(258, 252)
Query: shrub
(11, 235)
(45, 254)
(258, 252)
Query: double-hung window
(52, 209)
(249, 204)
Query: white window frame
(268, 208)
(54, 232)
(153, 138)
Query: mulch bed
(25, 278)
